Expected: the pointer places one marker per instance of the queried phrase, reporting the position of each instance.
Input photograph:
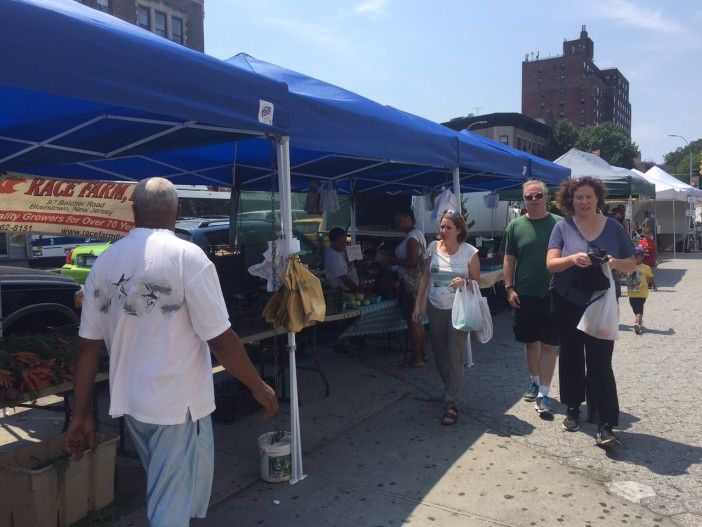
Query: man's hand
(80, 436)
(266, 397)
(513, 298)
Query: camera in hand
(597, 256)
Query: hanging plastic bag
(446, 200)
(328, 198)
(312, 200)
(466, 314)
(601, 316)
(264, 269)
(484, 334)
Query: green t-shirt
(527, 240)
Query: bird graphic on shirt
(121, 284)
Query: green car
(80, 259)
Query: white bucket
(276, 460)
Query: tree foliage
(677, 162)
(614, 146)
(563, 137)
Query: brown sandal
(450, 416)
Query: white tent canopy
(669, 187)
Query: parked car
(36, 301)
(80, 260)
(232, 263)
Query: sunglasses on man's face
(534, 197)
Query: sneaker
(637, 329)
(544, 405)
(532, 392)
(572, 420)
(605, 436)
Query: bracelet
(509, 287)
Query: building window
(144, 18)
(104, 5)
(160, 25)
(177, 29)
(504, 139)
(162, 21)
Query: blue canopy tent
(75, 88)
(537, 167)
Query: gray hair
(535, 182)
(155, 193)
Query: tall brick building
(179, 20)
(572, 87)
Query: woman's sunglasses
(534, 197)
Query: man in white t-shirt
(340, 272)
(155, 302)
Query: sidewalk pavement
(376, 454)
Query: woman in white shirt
(409, 259)
(448, 262)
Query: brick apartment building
(179, 20)
(572, 87)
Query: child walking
(637, 285)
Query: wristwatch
(508, 287)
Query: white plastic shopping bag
(601, 317)
(485, 333)
(465, 313)
(444, 201)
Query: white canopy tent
(670, 190)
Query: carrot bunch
(5, 380)
(35, 373)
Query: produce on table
(31, 363)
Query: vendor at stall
(341, 273)
(409, 259)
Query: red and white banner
(86, 209)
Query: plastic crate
(40, 486)
(233, 401)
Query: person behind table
(156, 303)
(340, 272)
(409, 257)
(449, 261)
(637, 285)
(584, 229)
(650, 247)
(526, 283)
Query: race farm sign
(86, 209)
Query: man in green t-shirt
(527, 284)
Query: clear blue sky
(443, 59)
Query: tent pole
(283, 155)
(675, 230)
(457, 186)
(352, 201)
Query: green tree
(677, 162)
(615, 147)
(563, 137)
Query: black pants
(579, 351)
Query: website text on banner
(93, 209)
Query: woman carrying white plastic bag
(601, 316)
(451, 264)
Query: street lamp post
(473, 124)
(689, 148)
